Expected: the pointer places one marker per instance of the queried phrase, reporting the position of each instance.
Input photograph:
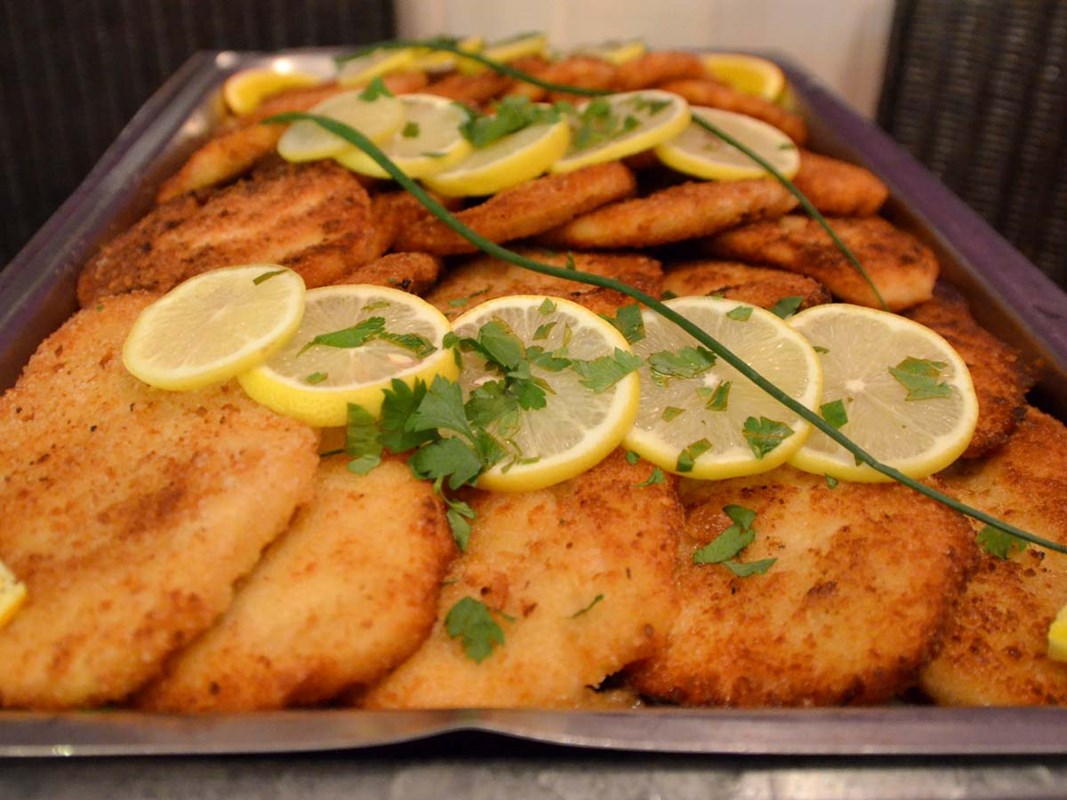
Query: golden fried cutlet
(412, 272)
(129, 512)
(760, 286)
(486, 277)
(903, 269)
(853, 606)
(686, 211)
(524, 210)
(995, 650)
(470, 89)
(1001, 377)
(653, 68)
(838, 188)
(579, 578)
(713, 94)
(348, 592)
(314, 218)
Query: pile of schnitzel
(196, 552)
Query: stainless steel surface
(1012, 296)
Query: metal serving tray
(1008, 294)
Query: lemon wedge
(245, 90)
(700, 153)
(585, 412)
(352, 342)
(362, 69)
(12, 595)
(429, 140)
(377, 118)
(699, 416)
(1057, 636)
(748, 74)
(893, 386)
(505, 50)
(506, 162)
(618, 125)
(214, 325)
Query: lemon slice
(12, 595)
(872, 362)
(361, 70)
(709, 421)
(214, 325)
(619, 125)
(377, 119)
(372, 335)
(702, 154)
(430, 60)
(245, 90)
(1057, 636)
(614, 52)
(428, 141)
(506, 162)
(505, 50)
(580, 423)
(748, 74)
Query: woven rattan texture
(977, 91)
(73, 72)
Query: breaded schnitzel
(995, 650)
(1000, 375)
(412, 272)
(760, 286)
(484, 278)
(314, 218)
(687, 211)
(129, 512)
(838, 188)
(903, 269)
(523, 210)
(348, 592)
(580, 578)
(853, 606)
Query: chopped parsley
(628, 322)
(763, 435)
(724, 548)
(670, 412)
(656, 477)
(834, 413)
(316, 377)
(375, 89)
(585, 610)
(740, 314)
(999, 543)
(600, 374)
(410, 130)
(690, 453)
(266, 276)
(470, 621)
(459, 302)
(787, 306)
(719, 397)
(689, 362)
(512, 114)
(920, 377)
(368, 330)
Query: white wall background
(842, 42)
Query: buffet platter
(1008, 295)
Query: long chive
(356, 138)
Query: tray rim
(882, 731)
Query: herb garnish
(316, 377)
(920, 377)
(763, 435)
(718, 398)
(375, 89)
(512, 114)
(690, 453)
(727, 545)
(581, 611)
(834, 413)
(368, 330)
(740, 314)
(689, 362)
(628, 322)
(470, 621)
(787, 306)
(656, 477)
(266, 276)
(999, 543)
(410, 130)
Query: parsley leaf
(787, 306)
(720, 397)
(670, 412)
(355, 336)
(763, 435)
(316, 377)
(689, 362)
(416, 343)
(459, 302)
(740, 314)
(410, 130)
(632, 457)
(363, 464)
(834, 413)
(628, 322)
(361, 433)
(375, 89)
(920, 377)
(512, 114)
(547, 307)
(831, 481)
(459, 515)
(450, 458)
(747, 568)
(469, 621)
(999, 543)
(398, 404)
(728, 544)
(653, 479)
(600, 374)
(687, 458)
(441, 409)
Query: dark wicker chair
(73, 73)
(977, 91)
